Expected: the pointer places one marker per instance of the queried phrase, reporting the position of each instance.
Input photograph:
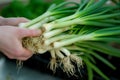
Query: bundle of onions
(75, 33)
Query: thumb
(29, 32)
(25, 55)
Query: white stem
(42, 51)
(59, 54)
(21, 25)
(65, 51)
(56, 38)
(50, 26)
(32, 22)
(36, 26)
(73, 40)
(65, 18)
(54, 32)
(39, 24)
(47, 27)
(52, 52)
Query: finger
(22, 58)
(23, 55)
(15, 21)
(8, 55)
(27, 53)
(29, 33)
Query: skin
(11, 38)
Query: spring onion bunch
(74, 33)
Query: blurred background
(36, 68)
(26, 8)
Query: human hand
(12, 21)
(11, 40)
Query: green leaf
(90, 57)
(92, 7)
(90, 72)
(97, 70)
(103, 60)
(102, 47)
(88, 53)
(115, 30)
(108, 39)
(89, 3)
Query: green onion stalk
(74, 33)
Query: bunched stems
(74, 34)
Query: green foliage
(116, 1)
(96, 69)
(30, 10)
(16, 9)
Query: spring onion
(72, 33)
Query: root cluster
(59, 58)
